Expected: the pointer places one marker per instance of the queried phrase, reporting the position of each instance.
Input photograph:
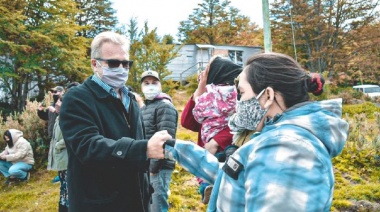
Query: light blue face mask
(114, 77)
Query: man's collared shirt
(112, 91)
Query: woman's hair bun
(314, 83)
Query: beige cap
(149, 73)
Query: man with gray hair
(102, 126)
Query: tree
(40, 48)
(322, 30)
(216, 22)
(95, 16)
(364, 56)
(149, 52)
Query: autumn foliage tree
(45, 43)
(38, 47)
(216, 22)
(363, 56)
(323, 35)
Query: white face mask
(151, 91)
(114, 77)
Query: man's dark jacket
(108, 165)
(160, 114)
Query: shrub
(357, 167)
(367, 108)
(192, 84)
(170, 87)
(34, 129)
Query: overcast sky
(166, 14)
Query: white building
(194, 57)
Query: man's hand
(155, 148)
(3, 157)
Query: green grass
(38, 194)
(357, 174)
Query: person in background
(57, 158)
(49, 114)
(102, 125)
(17, 158)
(286, 166)
(208, 110)
(159, 114)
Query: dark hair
(223, 71)
(284, 75)
(72, 84)
(9, 135)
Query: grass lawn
(39, 194)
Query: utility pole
(266, 27)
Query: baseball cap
(58, 88)
(149, 73)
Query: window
(236, 56)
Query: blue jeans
(63, 192)
(161, 184)
(18, 169)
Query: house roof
(205, 46)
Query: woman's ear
(269, 93)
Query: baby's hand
(212, 146)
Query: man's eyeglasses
(116, 63)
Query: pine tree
(95, 16)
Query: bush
(192, 84)
(170, 87)
(367, 108)
(357, 168)
(34, 129)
